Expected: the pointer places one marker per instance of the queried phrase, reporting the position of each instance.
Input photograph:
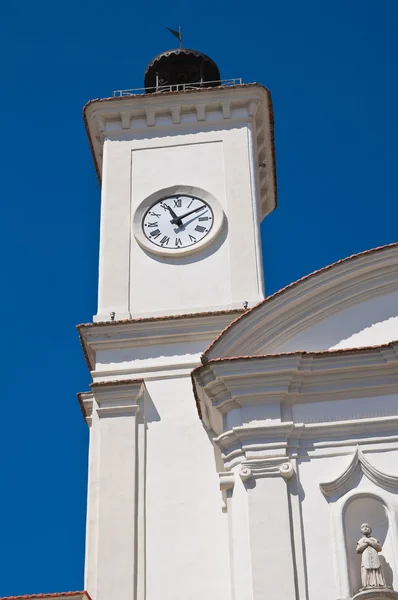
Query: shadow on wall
(150, 413)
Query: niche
(367, 508)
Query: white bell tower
(212, 140)
(186, 167)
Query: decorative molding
(117, 398)
(150, 116)
(226, 109)
(239, 104)
(86, 400)
(125, 118)
(299, 378)
(227, 482)
(148, 332)
(253, 106)
(377, 594)
(276, 441)
(343, 483)
(175, 113)
(271, 467)
(200, 112)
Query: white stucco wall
(369, 323)
(186, 530)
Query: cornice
(151, 331)
(248, 445)
(117, 398)
(145, 115)
(359, 463)
(297, 377)
(223, 385)
(85, 400)
(310, 299)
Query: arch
(368, 277)
(344, 540)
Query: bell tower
(188, 135)
(186, 167)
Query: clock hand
(177, 220)
(186, 223)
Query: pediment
(350, 304)
(359, 463)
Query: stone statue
(371, 572)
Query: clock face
(178, 221)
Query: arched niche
(367, 508)
(345, 533)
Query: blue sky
(331, 68)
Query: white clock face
(178, 221)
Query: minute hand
(175, 221)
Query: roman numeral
(154, 214)
(177, 203)
(200, 228)
(165, 240)
(164, 206)
(204, 218)
(155, 234)
(193, 200)
(152, 224)
(192, 238)
(178, 242)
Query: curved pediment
(359, 463)
(350, 304)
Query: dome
(178, 67)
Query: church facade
(238, 444)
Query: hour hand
(175, 220)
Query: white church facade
(238, 444)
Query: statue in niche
(369, 548)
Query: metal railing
(181, 87)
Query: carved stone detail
(271, 467)
(227, 482)
(359, 462)
(376, 594)
(371, 572)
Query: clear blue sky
(332, 71)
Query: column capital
(269, 467)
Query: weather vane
(177, 34)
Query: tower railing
(180, 87)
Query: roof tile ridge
(99, 384)
(314, 353)
(155, 319)
(204, 358)
(47, 595)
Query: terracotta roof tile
(56, 595)
(291, 285)
(100, 384)
(215, 313)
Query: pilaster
(113, 544)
